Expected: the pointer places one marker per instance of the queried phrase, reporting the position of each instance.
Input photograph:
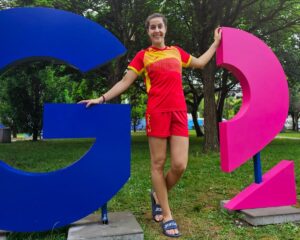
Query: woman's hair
(155, 15)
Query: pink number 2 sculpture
(261, 117)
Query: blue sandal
(156, 208)
(169, 225)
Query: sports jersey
(162, 72)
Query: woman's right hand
(90, 102)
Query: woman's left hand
(217, 36)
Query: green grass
(194, 201)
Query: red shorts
(166, 124)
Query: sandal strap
(157, 209)
(170, 225)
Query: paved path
(283, 137)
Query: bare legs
(163, 183)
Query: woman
(166, 114)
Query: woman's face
(157, 31)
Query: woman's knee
(178, 168)
(157, 163)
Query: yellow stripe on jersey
(147, 82)
(185, 65)
(135, 70)
(154, 56)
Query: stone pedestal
(122, 226)
(266, 216)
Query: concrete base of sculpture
(122, 226)
(266, 216)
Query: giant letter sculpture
(43, 201)
(261, 117)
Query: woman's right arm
(115, 91)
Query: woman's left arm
(201, 61)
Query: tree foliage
(190, 25)
(24, 90)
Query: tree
(191, 25)
(121, 19)
(25, 88)
(294, 109)
(5, 4)
(193, 91)
(36, 83)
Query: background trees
(195, 22)
(191, 26)
(24, 90)
(289, 54)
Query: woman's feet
(169, 226)
(170, 229)
(156, 208)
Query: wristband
(103, 99)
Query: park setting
(233, 139)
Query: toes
(172, 231)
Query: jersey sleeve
(137, 63)
(185, 57)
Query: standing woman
(166, 114)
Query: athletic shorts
(166, 124)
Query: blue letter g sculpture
(43, 201)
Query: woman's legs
(161, 183)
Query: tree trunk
(196, 125)
(211, 142)
(134, 124)
(193, 107)
(14, 132)
(292, 115)
(116, 75)
(35, 135)
(36, 114)
(296, 121)
(223, 95)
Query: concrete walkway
(292, 138)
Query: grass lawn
(195, 200)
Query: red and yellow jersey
(162, 72)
